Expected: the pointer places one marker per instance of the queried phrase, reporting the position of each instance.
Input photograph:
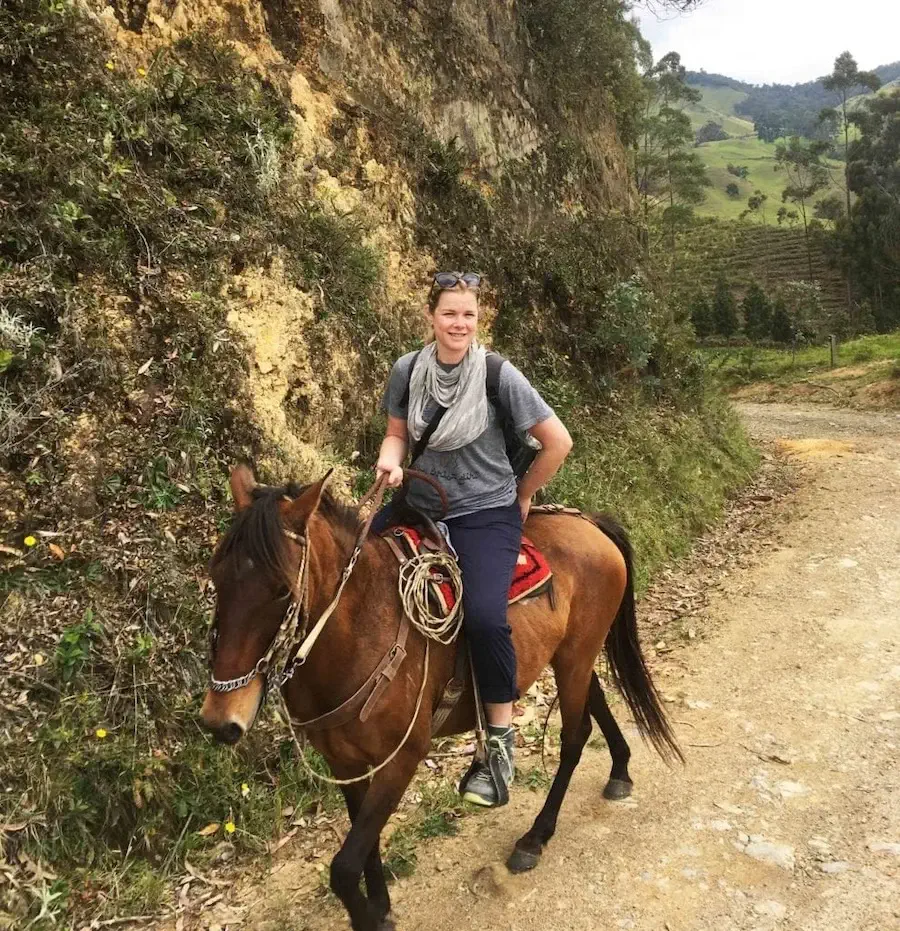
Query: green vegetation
(759, 158)
(129, 200)
(867, 239)
(664, 471)
(736, 366)
(753, 251)
(436, 815)
(717, 104)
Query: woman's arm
(556, 443)
(393, 451)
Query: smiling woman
(439, 398)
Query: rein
(287, 633)
(410, 586)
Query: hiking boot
(478, 785)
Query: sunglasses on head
(447, 280)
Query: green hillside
(759, 158)
(718, 105)
(743, 149)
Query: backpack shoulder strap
(404, 401)
(492, 379)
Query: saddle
(532, 576)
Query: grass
(664, 473)
(437, 815)
(735, 367)
(759, 157)
(744, 149)
(718, 105)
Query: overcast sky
(778, 41)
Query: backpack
(521, 447)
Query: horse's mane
(257, 532)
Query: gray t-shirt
(476, 476)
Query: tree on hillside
(670, 177)
(845, 81)
(732, 190)
(739, 171)
(802, 163)
(784, 215)
(757, 312)
(701, 317)
(756, 208)
(871, 236)
(830, 208)
(710, 131)
(780, 330)
(769, 127)
(724, 310)
(803, 300)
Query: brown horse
(255, 571)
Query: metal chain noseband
(284, 638)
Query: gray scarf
(461, 391)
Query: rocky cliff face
(360, 78)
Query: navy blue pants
(487, 543)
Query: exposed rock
(781, 855)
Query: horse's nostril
(230, 733)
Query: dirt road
(788, 813)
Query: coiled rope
(416, 578)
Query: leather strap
(454, 689)
(368, 694)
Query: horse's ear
(302, 509)
(242, 485)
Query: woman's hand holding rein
(393, 452)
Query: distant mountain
(783, 109)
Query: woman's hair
(434, 295)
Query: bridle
(286, 637)
(294, 639)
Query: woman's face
(455, 321)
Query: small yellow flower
(110, 66)
(142, 72)
(30, 540)
(229, 827)
(245, 789)
(100, 733)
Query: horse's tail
(629, 668)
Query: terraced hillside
(742, 252)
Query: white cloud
(778, 41)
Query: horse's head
(255, 573)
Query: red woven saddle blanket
(532, 575)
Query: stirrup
(492, 765)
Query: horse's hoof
(521, 861)
(617, 789)
(387, 925)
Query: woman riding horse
(466, 453)
(308, 608)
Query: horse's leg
(376, 885)
(576, 728)
(620, 784)
(381, 799)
